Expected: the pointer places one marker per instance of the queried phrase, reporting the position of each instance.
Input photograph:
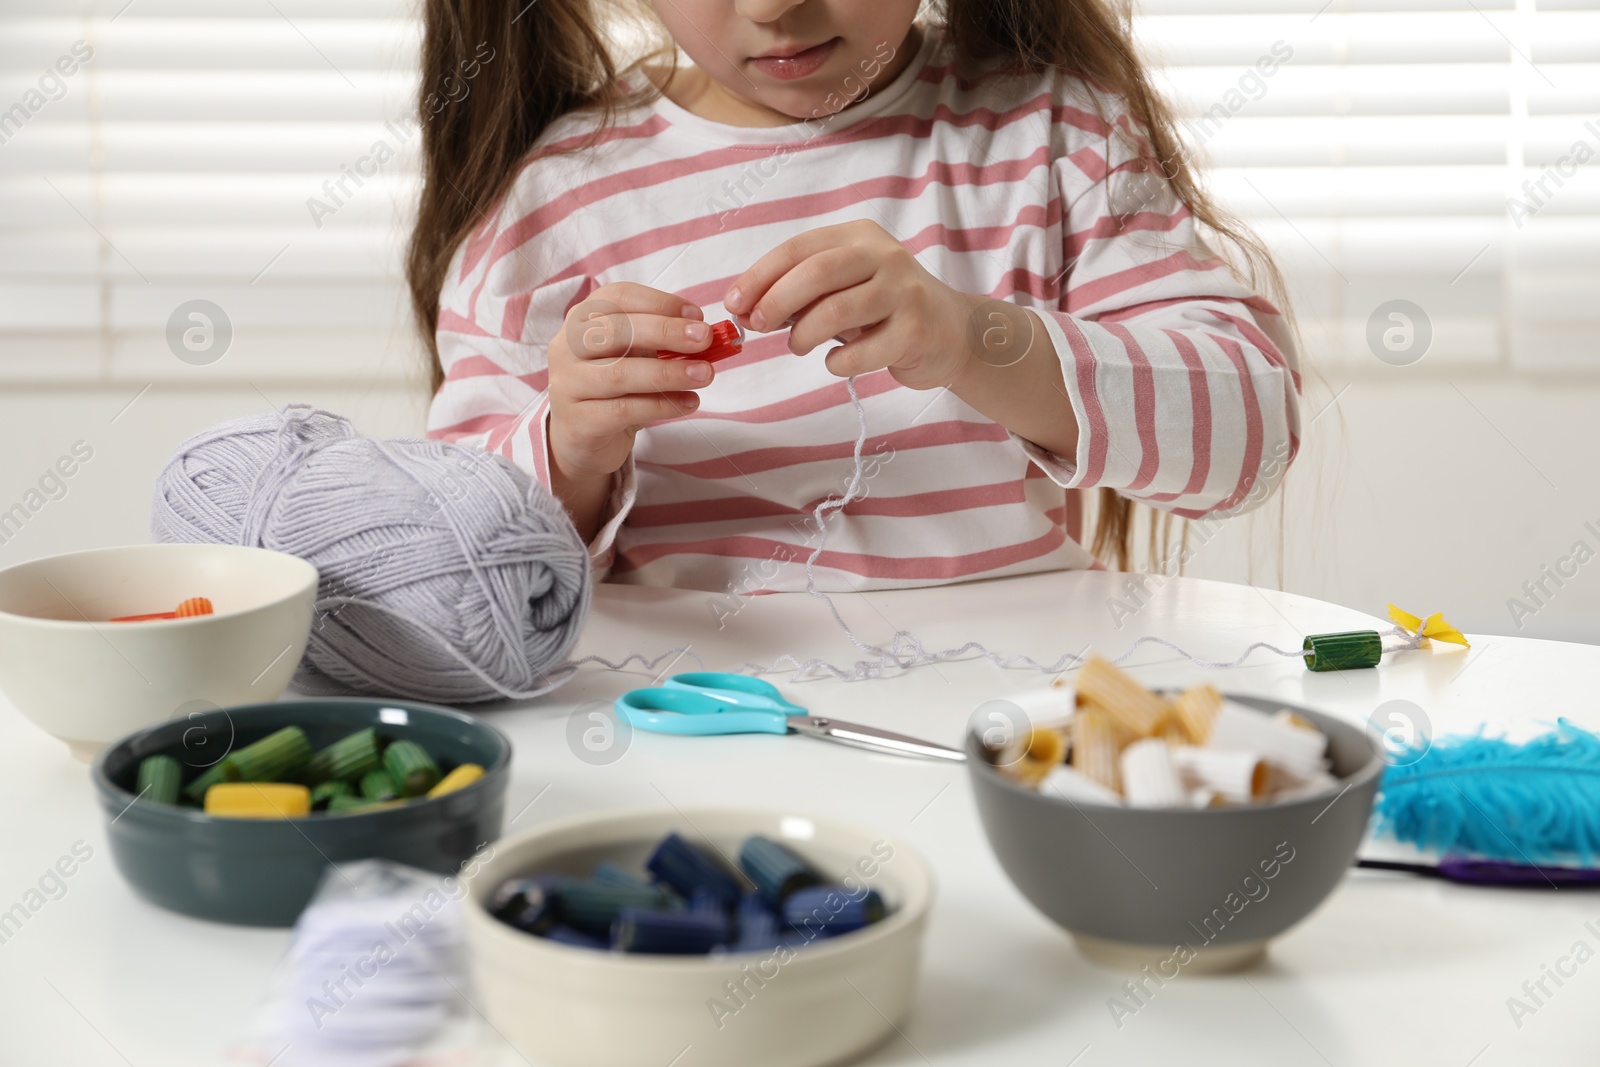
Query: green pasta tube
(1342, 651)
(158, 779)
(324, 793)
(346, 759)
(377, 785)
(278, 757)
(355, 803)
(412, 769)
(219, 772)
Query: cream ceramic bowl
(580, 1007)
(90, 682)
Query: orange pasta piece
(1132, 706)
(1196, 709)
(1094, 747)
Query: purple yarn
(446, 574)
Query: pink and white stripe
(1185, 384)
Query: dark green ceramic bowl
(261, 872)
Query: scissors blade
(850, 733)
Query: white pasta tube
(1290, 748)
(1150, 777)
(1321, 782)
(1053, 705)
(1067, 783)
(1238, 777)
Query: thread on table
(905, 649)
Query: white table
(1391, 970)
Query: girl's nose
(764, 10)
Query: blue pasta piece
(685, 868)
(830, 910)
(527, 903)
(775, 870)
(591, 907)
(566, 935)
(615, 874)
(758, 925)
(670, 933)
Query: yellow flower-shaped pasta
(1434, 628)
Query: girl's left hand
(854, 281)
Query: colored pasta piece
(1113, 691)
(1196, 709)
(1094, 748)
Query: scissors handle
(734, 690)
(850, 733)
(725, 722)
(694, 713)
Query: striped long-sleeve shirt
(1021, 188)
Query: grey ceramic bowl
(1138, 886)
(261, 872)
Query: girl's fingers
(641, 300)
(614, 415)
(870, 350)
(811, 283)
(607, 336)
(847, 309)
(750, 287)
(600, 379)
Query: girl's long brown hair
(555, 57)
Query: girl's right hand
(606, 382)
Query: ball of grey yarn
(446, 574)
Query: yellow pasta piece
(1197, 709)
(257, 800)
(1047, 750)
(1094, 747)
(1131, 705)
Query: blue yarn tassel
(1525, 803)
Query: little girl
(980, 217)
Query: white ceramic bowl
(89, 682)
(579, 1007)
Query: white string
(905, 650)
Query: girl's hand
(854, 281)
(606, 382)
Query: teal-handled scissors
(702, 703)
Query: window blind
(262, 157)
(1428, 151)
(183, 160)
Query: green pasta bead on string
(1343, 651)
(1353, 649)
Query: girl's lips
(799, 65)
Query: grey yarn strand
(446, 574)
(905, 649)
